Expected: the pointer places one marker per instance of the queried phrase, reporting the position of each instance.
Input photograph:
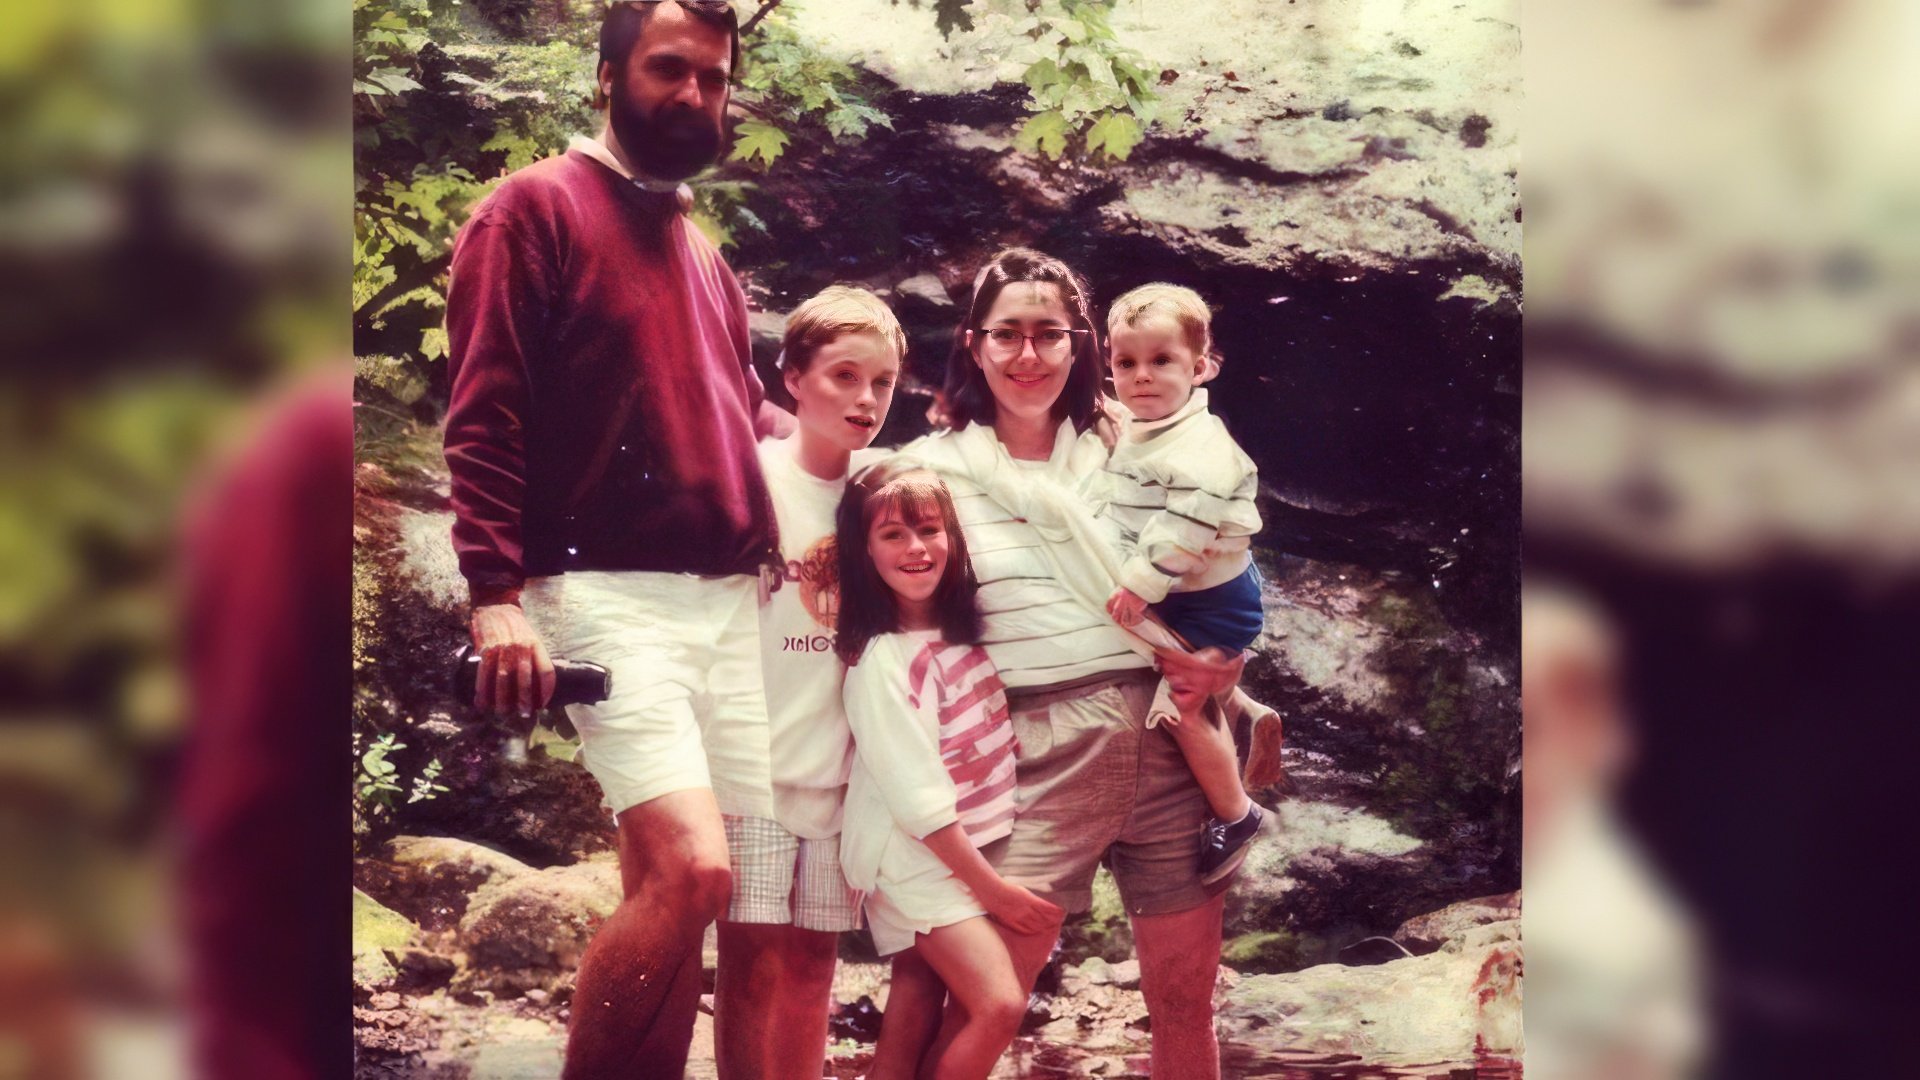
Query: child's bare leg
(1206, 742)
(915, 999)
(989, 1003)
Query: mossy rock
(1262, 951)
(376, 930)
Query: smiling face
(1155, 367)
(909, 548)
(842, 398)
(1024, 384)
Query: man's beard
(673, 144)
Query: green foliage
(443, 106)
(1080, 79)
(824, 100)
(376, 784)
(1045, 132)
(720, 210)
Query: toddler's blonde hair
(1175, 302)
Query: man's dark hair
(620, 30)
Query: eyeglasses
(1005, 343)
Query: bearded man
(601, 432)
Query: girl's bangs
(914, 498)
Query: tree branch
(747, 27)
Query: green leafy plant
(377, 783)
(792, 89)
(1083, 85)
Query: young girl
(932, 778)
(839, 359)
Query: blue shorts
(1227, 616)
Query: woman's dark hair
(866, 607)
(968, 398)
(625, 20)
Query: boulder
(1446, 1006)
(924, 296)
(527, 931)
(1324, 872)
(429, 879)
(766, 330)
(378, 933)
(1426, 933)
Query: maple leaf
(1115, 135)
(755, 139)
(1046, 132)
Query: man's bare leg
(1179, 965)
(632, 990)
(770, 1001)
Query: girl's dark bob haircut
(866, 608)
(968, 399)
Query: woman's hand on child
(1125, 607)
(1191, 678)
(1017, 908)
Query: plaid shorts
(781, 879)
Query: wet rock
(1440, 1007)
(527, 931)
(1373, 950)
(1426, 933)
(420, 970)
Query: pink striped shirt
(976, 733)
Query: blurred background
(1722, 522)
(1722, 528)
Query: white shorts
(783, 880)
(918, 897)
(687, 710)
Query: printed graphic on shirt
(817, 575)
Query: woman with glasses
(1094, 783)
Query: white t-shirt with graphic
(811, 745)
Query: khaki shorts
(1096, 785)
(782, 880)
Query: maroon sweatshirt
(603, 394)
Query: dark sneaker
(1224, 845)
